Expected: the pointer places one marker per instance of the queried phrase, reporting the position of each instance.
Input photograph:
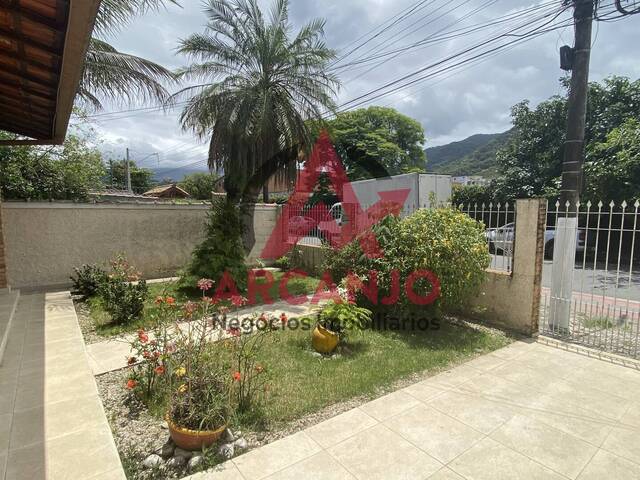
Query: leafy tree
(68, 172)
(199, 185)
(380, 136)
(612, 169)
(531, 163)
(119, 76)
(141, 178)
(257, 87)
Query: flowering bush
(123, 292)
(87, 279)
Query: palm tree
(257, 87)
(119, 76)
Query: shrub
(87, 279)
(222, 249)
(444, 241)
(283, 263)
(123, 292)
(342, 317)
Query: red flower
(238, 300)
(131, 360)
(170, 301)
(237, 376)
(159, 370)
(283, 318)
(234, 332)
(146, 354)
(205, 284)
(131, 384)
(142, 336)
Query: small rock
(316, 354)
(152, 461)
(168, 449)
(240, 444)
(176, 462)
(195, 462)
(178, 452)
(164, 426)
(226, 451)
(228, 436)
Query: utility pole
(128, 173)
(567, 222)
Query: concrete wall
(44, 241)
(512, 301)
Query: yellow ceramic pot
(193, 439)
(323, 340)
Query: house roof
(42, 49)
(159, 190)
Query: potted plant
(334, 321)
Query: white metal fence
(603, 306)
(499, 220)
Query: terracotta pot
(193, 439)
(323, 340)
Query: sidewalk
(528, 411)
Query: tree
(369, 138)
(68, 172)
(531, 162)
(199, 185)
(612, 167)
(110, 74)
(141, 178)
(257, 88)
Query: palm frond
(114, 15)
(120, 77)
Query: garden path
(112, 354)
(528, 411)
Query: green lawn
(105, 327)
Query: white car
(501, 240)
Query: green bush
(222, 249)
(87, 279)
(340, 318)
(444, 241)
(123, 292)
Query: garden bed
(304, 388)
(96, 324)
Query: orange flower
(170, 301)
(283, 318)
(131, 384)
(142, 336)
(146, 354)
(237, 376)
(159, 370)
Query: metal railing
(604, 280)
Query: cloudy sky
(452, 104)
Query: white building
(469, 180)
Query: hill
(475, 155)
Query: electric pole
(128, 173)
(564, 252)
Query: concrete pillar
(3, 262)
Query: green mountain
(475, 155)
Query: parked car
(501, 240)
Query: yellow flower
(182, 388)
(181, 372)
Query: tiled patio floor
(528, 411)
(52, 424)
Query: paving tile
(425, 390)
(5, 431)
(115, 474)
(514, 350)
(489, 460)
(380, 454)
(624, 442)
(479, 413)
(580, 423)
(445, 474)
(553, 448)
(339, 428)
(28, 428)
(224, 471)
(90, 450)
(607, 465)
(7, 400)
(276, 456)
(441, 436)
(3, 463)
(389, 405)
(318, 467)
(27, 463)
(486, 363)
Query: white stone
(227, 436)
(195, 462)
(241, 444)
(152, 461)
(176, 462)
(226, 450)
